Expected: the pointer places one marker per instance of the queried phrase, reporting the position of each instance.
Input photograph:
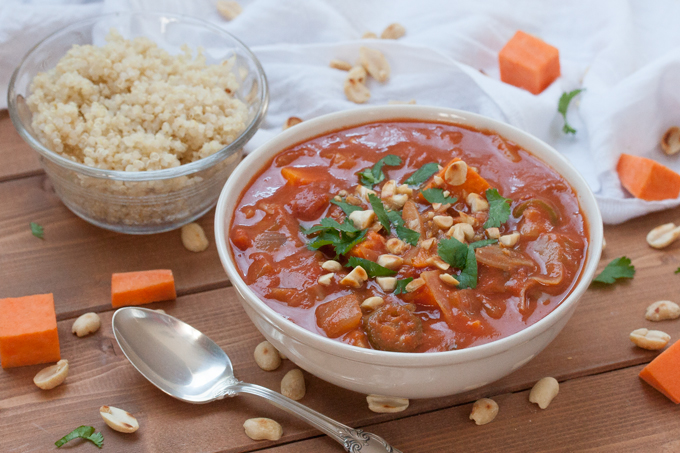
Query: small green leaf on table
(615, 270)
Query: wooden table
(602, 404)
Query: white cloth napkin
(625, 53)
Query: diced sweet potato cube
(647, 179)
(28, 331)
(370, 248)
(144, 287)
(299, 176)
(339, 316)
(662, 373)
(528, 62)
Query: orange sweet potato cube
(647, 179)
(663, 373)
(528, 62)
(144, 287)
(28, 331)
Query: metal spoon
(189, 366)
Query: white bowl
(410, 375)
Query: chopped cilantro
(677, 271)
(462, 256)
(437, 196)
(82, 432)
(400, 288)
(616, 269)
(346, 207)
(37, 230)
(380, 211)
(422, 174)
(341, 241)
(407, 235)
(395, 218)
(562, 107)
(330, 224)
(468, 276)
(453, 252)
(371, 268)
(499, 209)
(372, 176)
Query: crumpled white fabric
(625, 53)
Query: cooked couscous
(130, 105)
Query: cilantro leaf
(400, 288)
(407, 235)
(372, 176)
(483, 243)
(82, 432)
(499, 209)
(328, 224)
(346, 207)
(342, 242)
(453, 252)
(437, 196)
(422, 174)
(616, 269)
(380, 211)
(677, 271)
(371, 268)
(37, 230)
(562, 107)
(468, 276)
(395, 218)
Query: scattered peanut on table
(263, 429)
(663, 235)
(652, 340)
(484, 411)
(293, 384)
(375, 63)
(340, 64)
(292, 121)
(118, 419)
(662, 310)
(386, 404)
(52, 376)
(369, 35)
(670, 142)
(86, 324)
(393, 31)
(543, 392)
(193, 237)
(229, 9)
(266, 356)
(355, 85)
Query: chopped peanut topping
(438, 262)
(477, 203)
(362, 219)
(390, 261)
(387, 284)
(372, 303)
(448, 279)
(340, 64)
(356, 278)
(493, 233)
(414, 284)
(443, 221)
(326, 279)
(331, 266)
(456, 174)
(509, 240)
(396, 246)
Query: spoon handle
(354, 440)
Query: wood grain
(613, 412)
(18, 159)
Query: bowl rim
(167, 173)
(365, 115)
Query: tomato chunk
(394, 328)
(339, 316)
(240, 239)
(309, 203)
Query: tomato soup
(409, 236)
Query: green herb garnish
(453, 252)
(407, 235)
(422, 174)
(371, 268)
(387, 218)
(562, 107)
(82, 432)
(330, 224)
(400, 288)
(37, 230)
(380, 211)
(462, 256)
(372, 176)
(341, 241)
(616, 269)
(437, 196)
(499, 209)
(346, 207)
(677, 271)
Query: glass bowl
(142, 202)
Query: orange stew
(409, 236)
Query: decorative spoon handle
(354, 440)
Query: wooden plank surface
(18, 159)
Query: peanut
(649, 339)
(340, 64)
(266, 356)
(52, 376)
(484, 411)
(544, 391)
(393, 31)
(663, 235)
(292, 121)
(662, 310)
(293, 385)
(118, 419)
(670, 142)
(386, 404)
(193, 237)
(375, 63)
(263, 429)
(456, 174)
(229, 9)
(86, 324)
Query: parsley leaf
(462, 256)
(380, 211)
(372, 176)
(499, 209)
(562, 107)
(437, 196)
(400, 288)
(371, 268)
(407, 235)
(346, 207)
(453, 252)
(341, 241)
(329, 224)
(677, 271)
(618, 268)
(422, 174)
(82, 432)
(37, 230)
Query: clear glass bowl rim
(168, 173)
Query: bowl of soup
(408, 250)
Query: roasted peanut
(393, 31)
(467, 218)
(229, 9)
(649, 339)
(356, 278)
(509, 240)
(390, 261)
(266, 356)
(484, 411)
(670, 142)
(662, 310)
(443, 222)
(193, 238)
(364, 192)
(405, 190)
(397, 201)
(449, 279)
(355, 88)
(52, 376)
(369, 35)
(387, 284)
(263, 429)
(438, 181)
(362, 219)
(438, 263)
(663, 235)
(331, 266)
(326, 279)
(292, 121)
(118, 419)
(456, 174)
(340, 64)
(428, 243)
(544, 391)
(372, 303)
(414, 284)
(375, 63)
(86, 324)
(293, 385)
(462, 232)
(493, 233)
(386, 404)
(395, 246)
(477, 203)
